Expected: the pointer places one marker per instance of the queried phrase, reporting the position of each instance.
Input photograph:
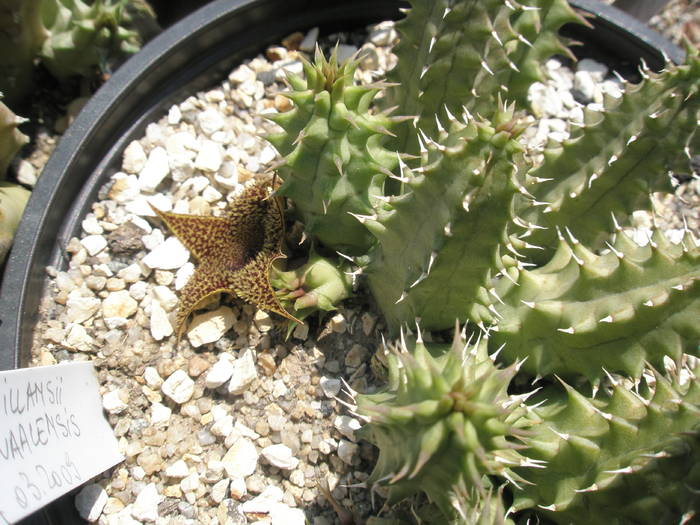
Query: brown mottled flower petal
(234, 252)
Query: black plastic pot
(193, 54)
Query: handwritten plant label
(53, 435)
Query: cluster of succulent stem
(70, 38)
(449, 216)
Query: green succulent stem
(319, 285)
(450, 216)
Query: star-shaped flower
(234, 251)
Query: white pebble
(94, 244)
(210, 156)
(383, 34)
(134, 158)
(245, 431)
(153, 239)
(264, 501)
(183, 275)
(241, 459)
(160, 413)
(210, 121)
(125, 188)
(166, 297)
(179, 387)
(169, 255)
(238, 488)
(91, 225)
(174, 115)
(138, 290)
(152, 377)
(280, 456)
(80, 309)
(218, 491)
(145, 508)
(78, 338)
(297, 478)
(26, 173)
(244, 373)
(115, 401)
(227, 176)
(64, 282)
(241, 74)
(90, 501)
(267, 155)
(327, 446)
(138, 473)
(210, 326)
(220, 372)
(102, 270)
(281, 514)
(544, 100)
(159, 323)
(115, 323)
(263, 321)
(585, 84)
(190, 483)
(130, 274)
(119, 304)
(222, 427)
(155, 170)
(177, 470)
(612, 88)
(211, 194)
(279, 389)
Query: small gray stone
(347, 426)
(90, 501)
(330, 386)
(595, 69)
(308, 44)
(347, 451)
(126, 239)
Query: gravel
(233, 423)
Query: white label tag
(53, 435)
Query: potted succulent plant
(463, 225)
